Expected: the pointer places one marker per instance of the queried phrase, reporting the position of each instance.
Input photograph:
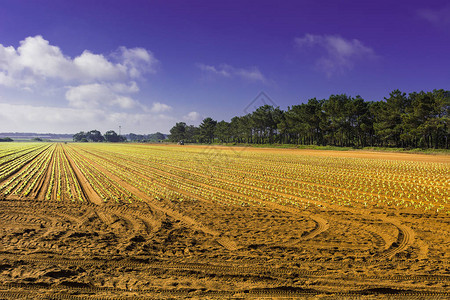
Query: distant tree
(442, 118)
(80, 137)
(136, 137)
(425, 122)
(360, 122)
(388, 125)
(95, 136)
(178, 132)
(278, 117)
(241, 129)
(222, 131)
(192, 134)
(336, 124)
(112, 137)
(207, 128)
(417, 120)
(153, 137)
(6, 139)
(158, 136)
(296, 124)
(264, 122)
(37, 139)
(234, 130)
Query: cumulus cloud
(224, 70)
(437, 17)
(97, 96)
(193, 116)
(130, 87)
(90, 80)
(89, 66)
(339, 54)
(35, 58)
(159, 107)
(98, 90)
(137, 61)
(6, 80)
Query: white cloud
(437, 17)
(96, 96)
(340, 54)
(7, 55)
(119, 87)
(46, 119)
(36, 60)
(159, 107)
(88, 80)
(37, 56)
(99, 90)
(124, 102)
(89, 66)
(6, 80)
(193, 116)
(224, 70)
(138, 61)
(252, 74)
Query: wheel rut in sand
(29, 225)
(405, 236)
(226, 242)
(78, 290)
(321, 224)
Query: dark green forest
(112, 137)
(96, 136)
(416, 120)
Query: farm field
(96, 221)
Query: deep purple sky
(67, 66)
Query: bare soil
(52, 249)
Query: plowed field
(130, 221)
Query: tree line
(96, 136)
(416, 120)
(144, 138)
(112, 137)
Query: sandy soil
(196, 249)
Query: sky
(70, 66)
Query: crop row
(230, 177)
(24, 172)
(249, 177)
(106, 188)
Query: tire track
(405, 238)
(322, 224)
(222, 240)
(216, 269)
(58, 222)
(90, 292)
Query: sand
(205, 250)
